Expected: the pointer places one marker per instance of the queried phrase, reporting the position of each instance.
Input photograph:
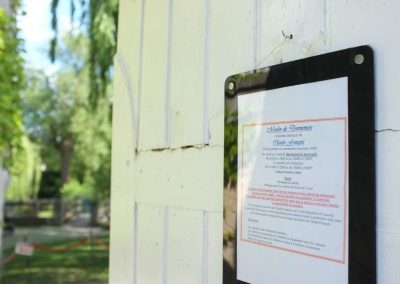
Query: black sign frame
(357, 64)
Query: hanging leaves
(54, 27)
(102, 32)
(102, 36)
(11, 83)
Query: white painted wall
(173, 57)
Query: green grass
(46, 214)
(79, 265)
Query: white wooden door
(167, 174)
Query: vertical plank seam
(165, 246)
(168, 78)
(140, 75)
(255, 32)
(205, 249)
(206, 124)
(135, 241)
(328, 24)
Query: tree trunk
(59, 211)
(94, 212)
(66, 156)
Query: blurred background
(56, 69)
(55, 139)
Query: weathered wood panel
(154, 109)
(213, 248)
(150, 244)
(173, 57)
(289, 30)
(231, 51)
(185, 246)
(124, 142)
(372, 22)
(187, 92)
(121, 235)
(187, 180)
(178, 178)
(388, 209)
(354, 23)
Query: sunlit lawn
(84, 264)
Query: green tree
(74, 138)
(11, 83)
(90, 128)
(100, 18)
(50, 105)
(25, 172)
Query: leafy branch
(102, 16)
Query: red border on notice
(344, 119)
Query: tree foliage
(100, 17)
(11, 83)
(25, 172)
(49, 107)
(230, 149)
(74, 139)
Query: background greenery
(84, 264)
(11, 83)
(55, 130)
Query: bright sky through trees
(36, 31)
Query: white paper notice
(293, 185)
